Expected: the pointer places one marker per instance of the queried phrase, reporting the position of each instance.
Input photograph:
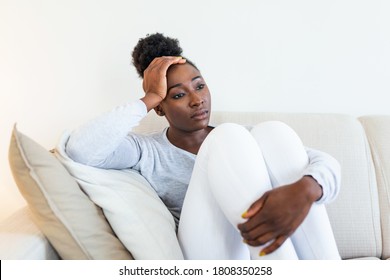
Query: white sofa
(360, 216)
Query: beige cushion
(378, 134)
(73, 224)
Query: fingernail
(262, 254)
(244, 214)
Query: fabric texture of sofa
(46, 229)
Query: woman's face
(187, 103)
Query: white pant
(234, 167)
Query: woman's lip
(201, 114)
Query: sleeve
(105, 141)
(326, 171)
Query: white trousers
(233, 168)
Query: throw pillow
(73, 224)
(135, 212)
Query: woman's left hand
(278, 213)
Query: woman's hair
(152, 46)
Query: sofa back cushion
(378, 133)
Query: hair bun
(152, 46)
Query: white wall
(63, 62)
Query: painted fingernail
(262, 254)
(244, 214)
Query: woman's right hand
(155, 79)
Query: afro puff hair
(152, 46)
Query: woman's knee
(276, 133)
(229, 129)
(229, 133)
(274, 128)
(232, 139)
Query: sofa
(360, 216)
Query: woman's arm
(326, 170)
(104, 142)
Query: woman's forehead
(181, 72)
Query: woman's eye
(177, 96)
(201, 86)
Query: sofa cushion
(378, 133)
(137, 215)
(73, 224)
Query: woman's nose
(196, 99)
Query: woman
(234, 193)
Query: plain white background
(64, 62)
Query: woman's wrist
(314, 189)
(151, 100)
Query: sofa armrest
(20, 239)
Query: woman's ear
(159, 111)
